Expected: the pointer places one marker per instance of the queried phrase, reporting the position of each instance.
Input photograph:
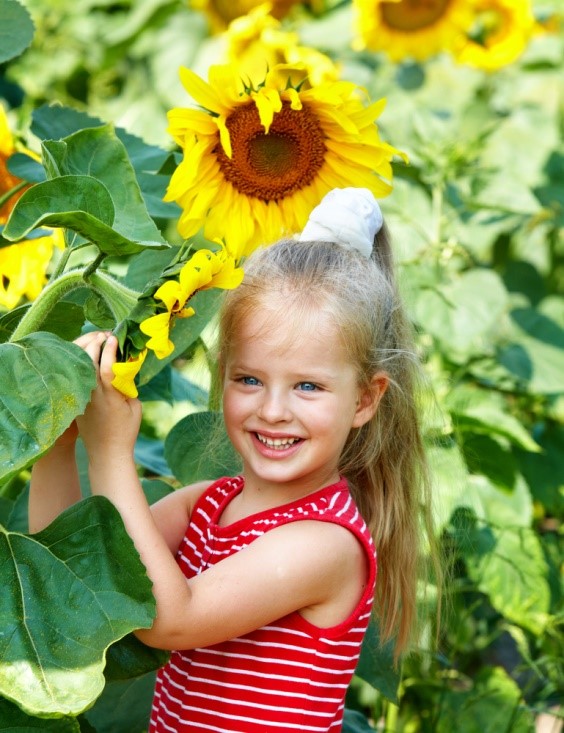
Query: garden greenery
(477, 218)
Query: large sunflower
(258, 160)
(416, 29)
(499, 34)
(222, 12)
(23, 265)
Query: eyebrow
(318, 375)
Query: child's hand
(110, 423)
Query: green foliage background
(477, 217)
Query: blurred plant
(222, 12)
(487, 34)
(499, 34)
(257, 42)
(416, 29)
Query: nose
(274, 407)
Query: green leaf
(457, 317)
(198, 448)
(450, 481)
(85, 566)
(53, 122)
(484, 411)
(99, 153)
(27, 168)
(16, 29)
(376, 664)
(488, 456)
(492, 705)
(80, 203)
(356, 722)
(537, 355)
(129, 658)
(46, 383)
(124, 707)
(508, 565)
(14, 720)
(544, 472)
(498, 506)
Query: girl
(264, 582)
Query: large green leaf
(461, 312)
(46, 383)
(537, 355)
(376, 664)
(70, 591)
(99, 153)
(124, 707)
(482, 411)
(492, 705)
(198, 448)
(53, 122)
(80, 203)
(508, 565)
(14, 720)
(16, 29)
(93, 191)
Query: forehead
(290, 328)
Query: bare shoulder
(172, 513)
(327, 562)
(324, 542)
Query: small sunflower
(416, 29)
(258, 159)
(257, 42)
(205, 269)
(23, 266)
(499, 34)
(222, 12)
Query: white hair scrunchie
(348, 216)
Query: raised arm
(55, 483)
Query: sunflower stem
(120, 299)
(12, 192)
(215, 392)
(437, 208)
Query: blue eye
(307, 386)
(251, 381)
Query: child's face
(290, 400)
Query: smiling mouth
(277, 443)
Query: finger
(93, 347)
(87, 338)
(108, 358)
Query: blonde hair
(384, 460)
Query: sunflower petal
(157, 327)
(125, 373)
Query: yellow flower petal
(125, 373)
(157, 327)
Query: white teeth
(276, 443)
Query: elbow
(158, 638)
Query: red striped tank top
(287, 676)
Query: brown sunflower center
(272, 166)
(412, 15)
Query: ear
(369, 399)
